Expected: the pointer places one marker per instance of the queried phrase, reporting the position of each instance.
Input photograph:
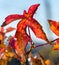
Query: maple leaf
(21, 35)
(56, 46)
(54, 26)
(33, 23)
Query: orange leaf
(56, 46)
(54, 26)
(10, 29)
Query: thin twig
(46, 43)
(41, 45)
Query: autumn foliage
(22, 37)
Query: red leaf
(11, 18)
(33, 9)
(37, 29)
